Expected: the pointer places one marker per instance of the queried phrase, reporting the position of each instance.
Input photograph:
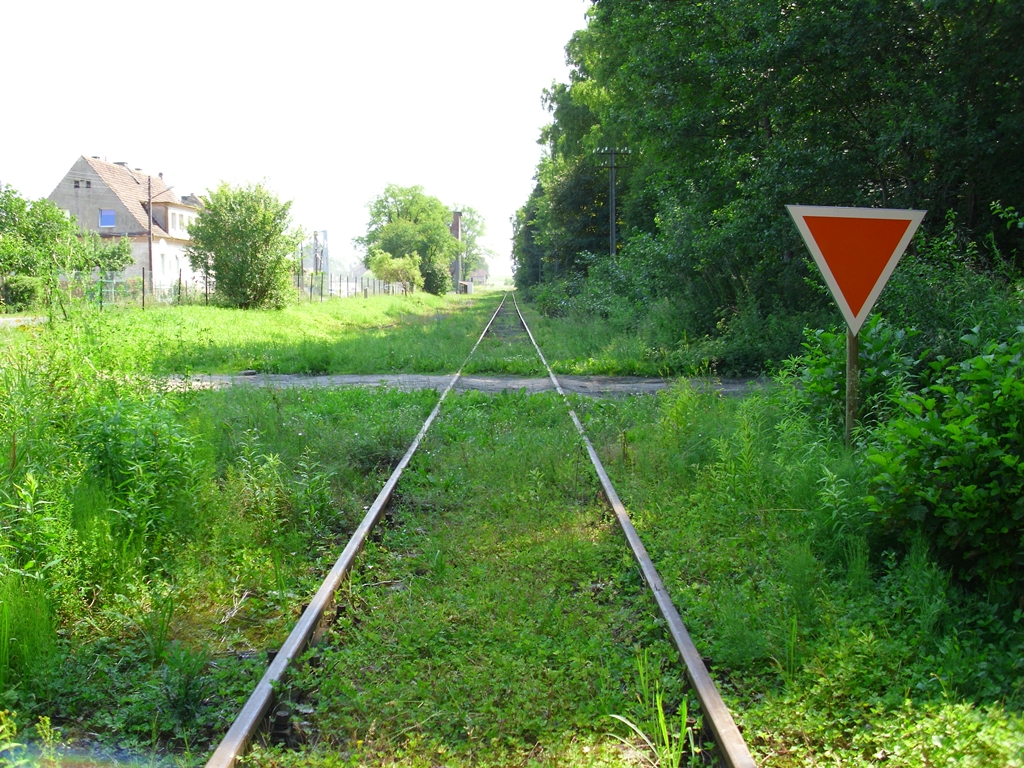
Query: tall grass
(120, 500)
(824, 631)
(382, 334)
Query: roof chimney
(161, 175)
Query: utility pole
(149, 231)
(457, 234)
(316, 255)
(611, 152)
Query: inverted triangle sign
(856, 250)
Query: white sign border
(798, 212)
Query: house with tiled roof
(114, 200)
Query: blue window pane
(106, 218)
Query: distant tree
(243, 240)
(403, 269)
(106, 255)
(406, 221)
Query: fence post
(143, 287)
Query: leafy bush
(947, 286)
(21, 291)
(884, 368)
(242, 239)
(127, 440)
(951, 463)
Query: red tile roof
(132, 188)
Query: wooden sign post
(856, 250)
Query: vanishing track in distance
(507, 323)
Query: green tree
(403, 269)
(36, 238)
(41, 248)
(406, 221)
(103, 254)
(242, 238)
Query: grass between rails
(498, 617)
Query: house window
(77, 182)
(88, 184)
(106, 217)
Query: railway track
(258, 713)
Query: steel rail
(717, 715)
(238, 738)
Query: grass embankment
(381, 334)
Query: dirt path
(594, 386)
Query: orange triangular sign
(856, 250)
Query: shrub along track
(519, 535)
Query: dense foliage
(242, 239)
(155, 540)
(406, 222)
(42, 249)
(951, 463)
(723, 112)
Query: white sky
(325, 101)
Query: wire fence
(317, 286)
(114, 289)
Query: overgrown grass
(592, 346)
(832, 644)
(154, 545)
(381, 334)
(497, 619)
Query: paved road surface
(14, 322)
(585, 385)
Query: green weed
(666, 746)
(496, 613)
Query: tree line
(242, 240)
(722, 112)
